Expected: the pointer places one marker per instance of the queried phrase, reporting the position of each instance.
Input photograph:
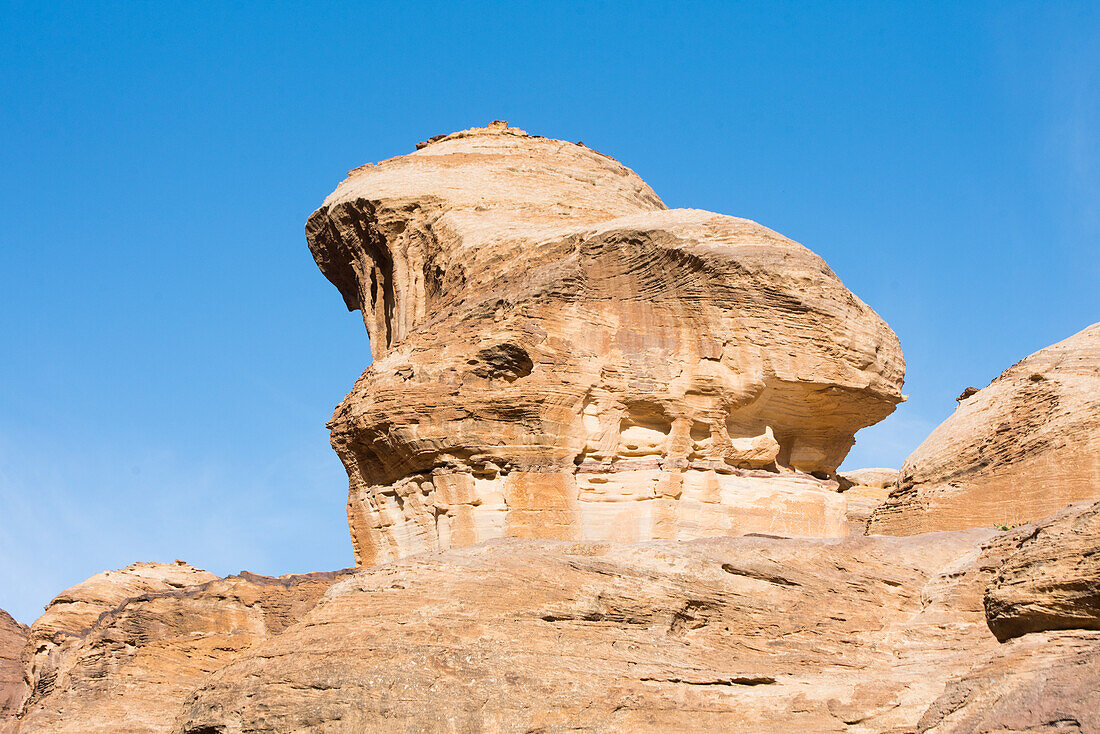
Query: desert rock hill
(1015, 451)
(558, 355)
(13, 637)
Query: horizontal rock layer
(1016, 451)
(558, 355)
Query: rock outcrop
(864, 490)
(558, 355)
(134, 665)
(733, 634)
(74, 611)
(13, 638)
(1050, 576)
(1043, 602)
(1014, 452)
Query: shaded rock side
(131, 670)
(864, 490)
(13, 637)
(1042, 682)
(1013, 452)
(558, 355)
(745, 634)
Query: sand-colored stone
(1046, 682)
(745, 634)
(545, 331)
(864, 490)
(132, 669)
(13, 638)
(1013, 452)
(1050, 576)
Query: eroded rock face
(13, 637)
(558, 355)
(135, 665)
(74, 611)
(1050, 576)
(732, 634)
(864, 490)
(1014, 452)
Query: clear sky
(169, 353)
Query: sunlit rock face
(558, 355)
(1015, 451)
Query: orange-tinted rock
(13, 637)
(558, 355)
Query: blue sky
(169, 353)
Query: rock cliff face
(13, 637)
(1013, 452)
(558, 355)
(134, 664)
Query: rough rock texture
(1050, 576)
(1044, 598)
(558, 355)
(1013, 452)
(74, 611)
(866, 490)
(13, 637)
(734, 634)
(136, 664)
(1045, 682)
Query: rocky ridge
(1013, 452)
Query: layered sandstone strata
(1016, 451)
(130, 670)
(558, 355)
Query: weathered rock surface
(1044, 599)
(136, 663)
(1013, 452)
(74, 611)
(1050, 576)
(734, 634)
(865, 490)
(1044, 682)
(558, 355)
(13, 637)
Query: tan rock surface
(74, 611)
(1013, 452)
(735, 635)
(1042, 682)
(558, 355)
(866, 490)
(13, 637)
(136, 664)
(1050, 576)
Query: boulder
(1050, 576)
(13, 637)
(1014, 452)
(131, 670)
(747, 634)
(556, 354)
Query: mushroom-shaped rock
(558, 355)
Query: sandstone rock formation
(74, 611)
(134, 664)
(733, 634)
(864, 490)
(1044, 599)
(1013, 452)
(13, 637)
(558, 355)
